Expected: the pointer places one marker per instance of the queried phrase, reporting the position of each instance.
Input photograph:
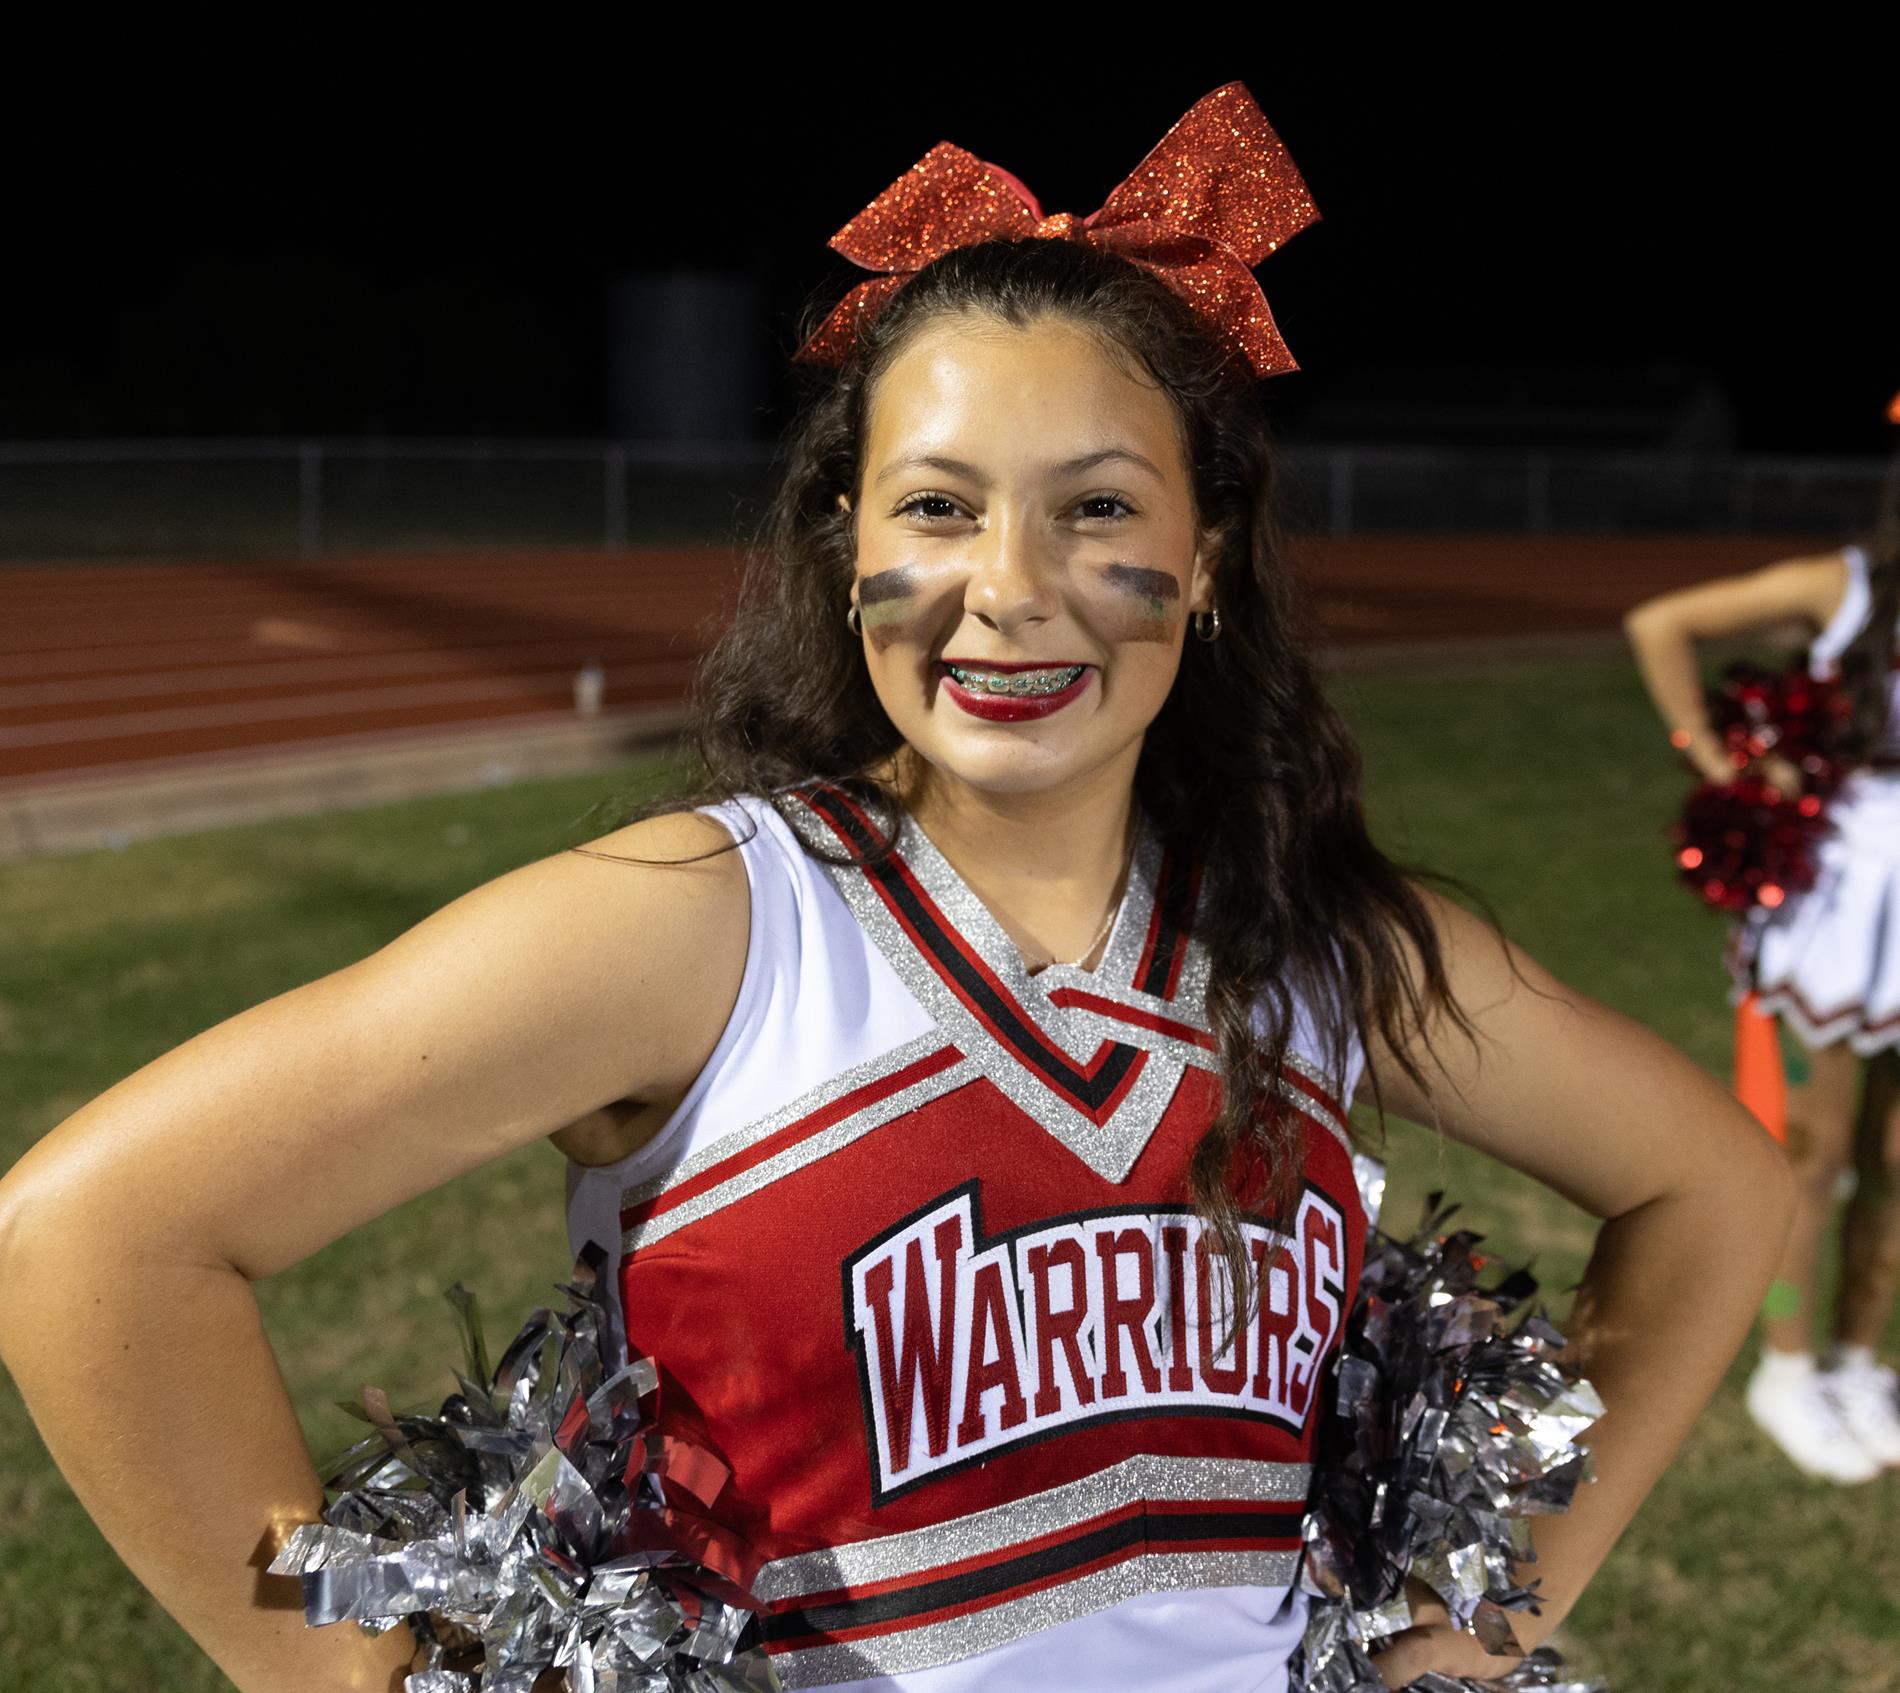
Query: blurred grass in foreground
(1545, 785)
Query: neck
(1048, 864)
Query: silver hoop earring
(1207, 624)
(852, 620)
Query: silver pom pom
(1454, 1424)
(538, 1522)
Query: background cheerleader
(1827, 962)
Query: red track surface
(129, 666)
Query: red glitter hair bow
(1214, 198)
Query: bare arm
(129, 1236)
(1663, 631)
(1695, 1202)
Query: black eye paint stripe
(897, 583)
(1140, 581)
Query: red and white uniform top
(918, 1253)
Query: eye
(1107, 508)
(928, 508)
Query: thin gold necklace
(1116, 898)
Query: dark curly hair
(1247, 765)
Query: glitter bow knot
(1214, 198)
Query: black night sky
(427, 250)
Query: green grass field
(1545, 785)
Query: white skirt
(1828, 960)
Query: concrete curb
(110, 808)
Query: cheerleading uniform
(1828, 958)
(918, 1258)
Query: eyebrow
(1068, 467)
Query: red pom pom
(1741, 844)
(1798, 716)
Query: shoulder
(1563, 1087)
(1809, 588)
(645, 927)
(679, 868)
(1819, 582)
(1481, 965)
(678, 879)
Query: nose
(1012, 577)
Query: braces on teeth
(1017, 682)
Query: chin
(1010, 763)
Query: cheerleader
(964, 1085)
(1826, 962)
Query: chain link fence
(312, 498)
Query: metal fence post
(1537, 493)
(309, 500)
(614, 463)
(1740, 497)
(1340, 482)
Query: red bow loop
(1212, 199)
(948, 199)
(1222, 174)
(833, 339)
(1893, 409)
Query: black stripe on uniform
(1173, 900)
(1028, 1045)
(1155, 1531)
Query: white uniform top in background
(1828, 960)
(816, 999)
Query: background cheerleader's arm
(130, 1235)
(1663, 631)
(1695, 1202)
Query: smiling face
(1027, 554)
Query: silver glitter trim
(1327, 1118)
(1099, 1026)
(815, 1100)
(1121, 958)
(1146, 1477)
(971, 918)
(1190, 993)
(794, 1158)
(910, 1650)
(1314, 1074)
(1109, 1149)
(1113, 978)
(1310, 1108)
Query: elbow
(16, 1221)
(47, 1239)
(1639, 623)
(18, 1247)
(1760, 1193)
(1785, 1192)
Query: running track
(111, 668)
